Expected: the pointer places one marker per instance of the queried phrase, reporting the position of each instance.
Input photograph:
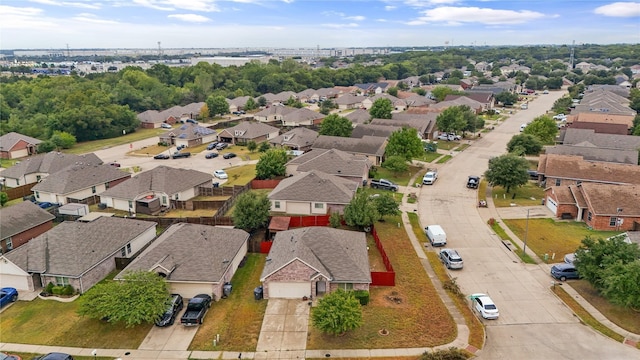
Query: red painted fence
(379, 278)
(305, 221)
(264, 184)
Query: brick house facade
(23, 237)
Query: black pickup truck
(196, 309)
(179, 155)
(383, 184)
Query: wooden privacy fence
(305, 221)
(18, 192)
(265, 184)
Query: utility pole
(572, 56)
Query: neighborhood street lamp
(526, 232)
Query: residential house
(14, 146)
(373, 129)
(483, 97)
(359, 116)
(372, 88)
(312, 193)
(248, 131)
(22, 222)
(597, 146)
(349, 101)
(308, 95)
(188, 135)
(299, 138)
(614, 122)
(423, 123)
(476, 106)
(370, 146)
(193, 258)
(599, 127)
(153, 119)
(302, 116)
(415, 100)
(237, 104)
(601, 206)
(75, 253)
(155, 189)
(333, 162)
(313, 261)
(398, 104)
(495, 88)
(35, 168)
(78, 183)
(557, 170)
(273, 114)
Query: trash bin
(216, 184)
(364, 183)
(542, 202)
(226, 289)
(257, 293)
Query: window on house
(93, 189)
(319, 205)
(276, 204)
(558, 182)
(62, 281)
(38, 178)
(37, 195)
(128, 248)
(613, 220)
(106, 185)
(164, 200)
(589, 216)
(130, 204)
(346, 286)
(17, 182)
(177, 195)
(123, 252)
(578, 182)
(9, 244)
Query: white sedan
(485, 306)
(220, 174)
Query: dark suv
(55, 356)
(172, 311)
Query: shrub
(49, 288)
(449, 354)
(362, 296)
(335, 220)
(491, 222)
(68, 290)
(57, 290)
(372, 172)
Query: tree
(63, 140)
(327, 106)
(360, 211)
(561, 105)
(595, 256)
(386, 205)
(544, 128)
(336, 125)
(4, 198)
(381, 109)
(441, 92)
(396, 163)
(271, 164)
(46, 146)
(262, 101)
(507, 171)
(507, 98)
(251, 211)
(139, 298)
(404, 143)
(620, 284)
(337, 313)
(264, 146)
(393, 91)
(252, 146)
(636, 126)
(529, 143)
(452, 119)
(217, 105)
(251, 104)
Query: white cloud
(429, 3)
(355, 18)
(619, 9)
(18, 11)
(333, 13)
(91, 18)
(194, 18)
(84, 5)
(390, 7)
(23, 18)
(171, 5)
(460, 15)
(341, 26)
(153, 4)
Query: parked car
(220, 174)
(169, 316)
(55, 356)
(211, 155)
(485, 306)
(533, 174)
(451, 259)
(45, 205)
(570, 258)
(436, 235)
(473, 182)
(564, 271)
(239, 112)
(191, 121)
(221, 146)
(180, 155)
(5, 356)
(196, 310)
(430, 177)
(545, 92)
(165, 126)
(212, 145)
(162, 157)
(229, 155)
(180, 147)
(383, 184)
(8, 295)
(560, 117)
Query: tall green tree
(4, 198)
(529, 144)
(336, 125)
(396, 163)
(386, 205)
(507, 98)
(272, 164)
(251, 211)
(620, 284)
(251, 104)
(544, 128)
(139, 298)
(441, 92)
(326, 107)
(381, 109)
(452, 119)
(217, 105)
(508, 171)
(361, 211)
(405, 143)
(595, 256)
(337, 313)
(63, 140)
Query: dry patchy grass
(238, 319)
(90, 146)
(547, 236)
(398, 178)
(621, 316)
(412, 311)
(240, 175)
(529, 194)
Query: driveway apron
(284, 328)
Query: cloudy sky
(52, 24)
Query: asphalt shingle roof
(334, 162)
(9, 140)
(367, 145)
(340, 255)
(78, 177)
(196, 252)
(575, 168)
(48, 163)
(605, 199)
(21, 217)
(300, 137)
(251, 130)
(315, 186)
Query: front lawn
(398, 178)
(411, 311)
(238, 319)
(529, 194)
(90, 146)
(547, 236)
(240, 175)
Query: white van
(436, 235)
(522, 127)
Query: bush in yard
(337, 313)
(396, 163)
(362, 296)
(335, 220)
(49, 288)
(68, 290)
(449, 354)
(57, 290)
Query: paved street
(533, 323)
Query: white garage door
(20, 282)
(190, 290)
(552, 205)
(289, 290)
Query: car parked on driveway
(45, 205)
(485, 306)
(211, 155)
(8, 295)
(229, 155)
(212, 145)
(162, 157)
(55, 356)
(165, 126)
(221, 146)
(169, 316)
(220, 174)
(5, 356)
(564, 271)
(451, 259)
(429, 178)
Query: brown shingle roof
(299, 137)
(575, 168)
(334, 162)
(79, 177)
(21, 217)
(9, 140)
(315, 186)
(48, 163)
(605, 199)
(367, 145)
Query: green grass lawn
(447, 145)
(529, 194)
(7, 163)
(398, 178)
(547, 236)
(444, 159)
(429, 156)
(518, 250)
(90, 146)
(240, 175)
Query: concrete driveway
(533, 323)
(174, 337)
(284, 329)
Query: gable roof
(604, 141)
(301, 115)
(163, 179)
(349, 99)
(421, 122)
(334, 162)
(275, 110)
(605, 199)
(73, 247)
(590, 152)
(340, 255)
(601, 118)
(48, 163)
(373, 129)
(240, 101)
(359, 116)
(154, 116)
(191, 252)
(9, 140)
(251, 130)
(576, 168)
(418, 100)
(299, 136)
(462, 100)
(79, 177)
(367, 145)
(188, 131)
(21, 217)
(315, 186)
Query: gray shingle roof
(9, 140)
(575, 168)
(315, 186)
(48, 163)
(188, 131)
(334, 162)
(300, 137)
(196, 251)
(367, 145)
(359, 116)
(301, 115)
(596, 154)
(340, 255)
(79, 177)
(74, 247)
(275, 110)
(160, 179)
(21, 217)
(251, 130)
(373, 130)
(604, 141)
